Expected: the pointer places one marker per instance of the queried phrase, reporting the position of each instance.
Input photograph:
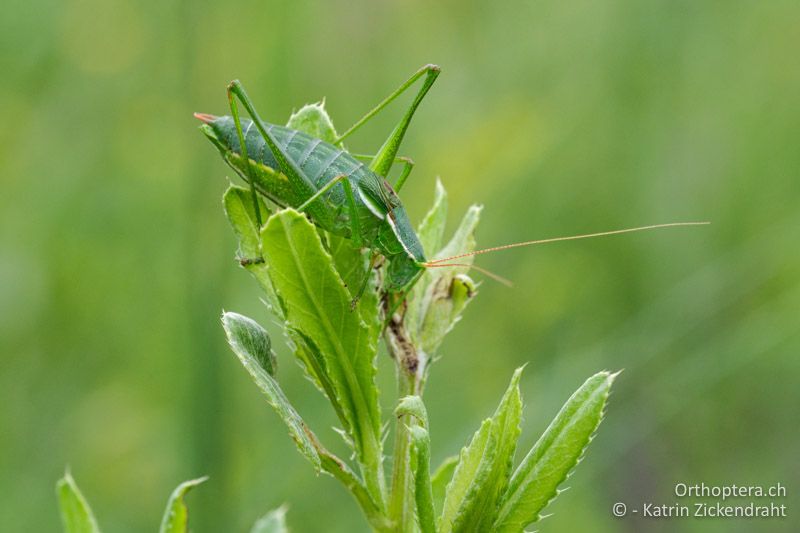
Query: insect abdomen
(382, 220)
(319, 161)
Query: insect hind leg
(387, 153)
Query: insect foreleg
(355, 226)
(408, 165)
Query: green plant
(308, 276)
(77, 516)
(332, 297)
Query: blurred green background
(559, 117)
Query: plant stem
(372, 472)
(401, 498)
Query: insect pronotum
(338, 192)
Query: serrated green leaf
(469, 462)
(480, 503)
(318, 305)
(316, 369)
(239, 208)
(272, 522)
(439, 480)
(235, 327)
(446, 298)
(463, 240)
(176, 515)
(430, 233)
(76, 515)
(431, 229)
(414, 406)
(245, 335)
(554, 455)
(441, 295)
(314, 120)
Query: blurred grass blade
(484, 469)
(314, 120)
(318, 306)
(176, 515)
(554, 455)
(76, 515)
(440, 478)
(240, 331)
(272, 522)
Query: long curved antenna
(436, 262)
(484, 271)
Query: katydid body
(381, 221)
(340, 193)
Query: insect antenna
(440, 262)
(484, 271)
